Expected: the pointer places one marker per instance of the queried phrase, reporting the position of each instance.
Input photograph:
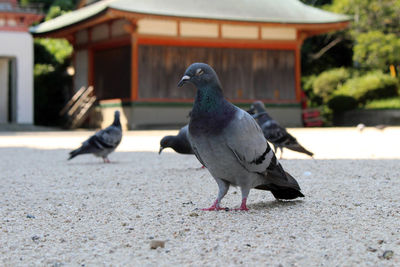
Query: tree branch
(326, 48)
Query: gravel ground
(82, 212)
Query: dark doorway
(12, 90)
(112, 73)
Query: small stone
(381, 241)
(35, 238)
(388, 254)
(248, 245)
(30, 216)
(371, 249)
(193, 214)
(292, 237)
(154, 244)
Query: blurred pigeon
(103, 142)
(275, 133)
(361, 127)
(381, 127)
(180, 143)
(229, 142)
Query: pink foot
(106, 160)
(215, 206)
(243, 206)
(203, 167)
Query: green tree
(375, 31)
(52, 84)
(375, 49)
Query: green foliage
(328, 81)
(51, 82)
(375, 49)
(382, 15)
(341, 103)
(388, 103)
(54, 51)
(373, 85)
(313, 100)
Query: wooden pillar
(298, 72)
(134, 61)
(301, 36)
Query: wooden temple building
(133, 53)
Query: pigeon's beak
(161, 149)
(183, 80)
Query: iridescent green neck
(208, 99)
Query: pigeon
(180, 143)
(275, 133)
(102, 143)
(230, 144)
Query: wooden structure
(77, 109)
(134, 52)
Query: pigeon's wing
(278, 135)
(108, 138)
(275, 133)
(246, 140)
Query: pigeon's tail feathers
(298, 148)
(281, 184)
(78, 151)
(74, 153)
(286, 193)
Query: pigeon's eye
(199, 72)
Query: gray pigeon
(180, 143)
(102, 143)
(275, 133)
(230, 144)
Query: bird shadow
(262, 205)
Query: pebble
(154, 244)
(30, 216)
(193, 214)
(388, 254)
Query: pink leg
(243, 205)
(215, 206)
(106, 160)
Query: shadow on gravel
(274, 204)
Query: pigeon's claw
(243, 206)
(215, 206)
(106, 160)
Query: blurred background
(312, 62)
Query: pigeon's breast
(219, 159)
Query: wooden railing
(77, 109)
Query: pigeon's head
(257, 106)
(116, 119)
(165, 142)
(200, 74)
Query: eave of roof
(260, 11)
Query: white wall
(81, 69)
(3, 90)
(20, 46)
